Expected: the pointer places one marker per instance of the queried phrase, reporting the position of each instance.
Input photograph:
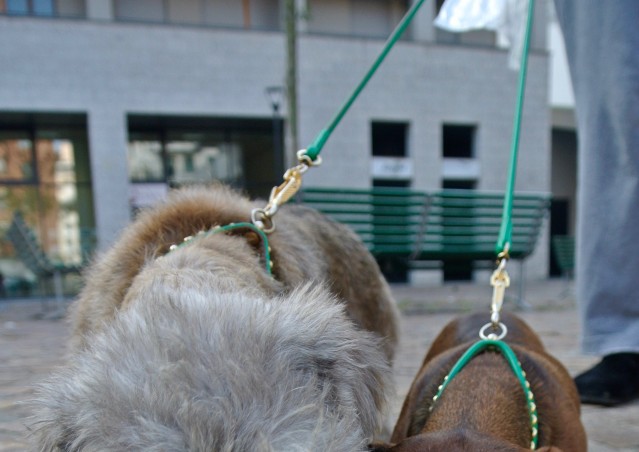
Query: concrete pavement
(31, 346)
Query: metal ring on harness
(493, 336)
(261, 219)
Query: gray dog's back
(223, 373)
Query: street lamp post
(275, 95)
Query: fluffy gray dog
(200, 348)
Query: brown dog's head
(484, 407)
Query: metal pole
(278, 160)
(290, 20)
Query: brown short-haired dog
(200, 348)
(484, 406)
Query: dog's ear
(549, 449)
(379, 447)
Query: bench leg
(521, 302)
(568, 291)
(58, 290)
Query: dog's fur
(483, 408)
(200, 349)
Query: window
(167, 151)
(71, 8)
(43, 8)
(366, 18)
(370, 18)
(226, 13)
(45, 175)
(388, 143)
(184, 11)
(17, 7)
(389, 139)
(459, 184)
(458, 141)
(140, 10)
(254, 14)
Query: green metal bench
(442, 226)
(563, 247)
(28, 250)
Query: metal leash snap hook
(285, 191)
(500, 281)
(263, 218)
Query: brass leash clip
(500, 281)
(262, 218)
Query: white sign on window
(392, 168)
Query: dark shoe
(615, 380)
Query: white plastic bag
(506, 17)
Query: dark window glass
(459, 184)
(389, 139)
(176, 151)
(45, 180)
(458, 141)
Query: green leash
(515, 365)
(500, 279)
(505, 232)
(316, 147)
